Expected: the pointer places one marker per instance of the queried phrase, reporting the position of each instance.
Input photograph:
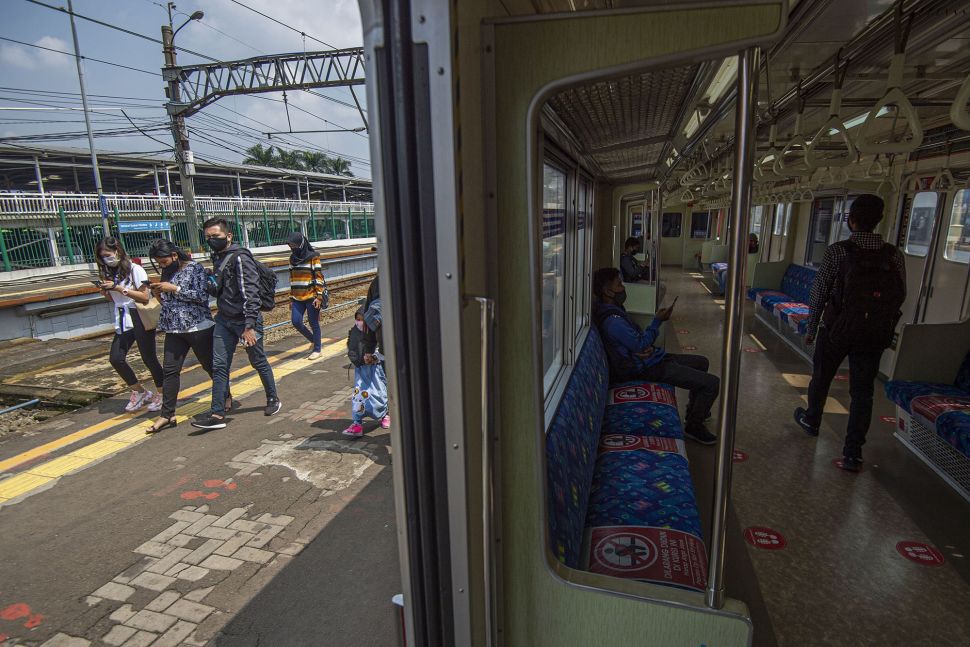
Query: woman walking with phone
(125, 284)
(185, 319)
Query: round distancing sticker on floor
(842, 378)
(683, 331)
(920, 553)
(765, 538)
(688, 348)
(888, 419)
(752, 350)
(738, 456)
(838, 463)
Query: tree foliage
(297, 160)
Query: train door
(920, 212)
(698, 232)
(946, 291)
(672, 237)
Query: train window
(700, 224)
(958, 233)
(670, 227)
(921, 218)
(842, 231)
(757, 217)
(780, 232)
(583, 249)
(553, 266)
(819, 229)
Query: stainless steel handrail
(487, 320)
(747, 90)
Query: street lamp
(196, 15)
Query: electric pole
(102, 203)
(183, 154)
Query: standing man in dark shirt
(239, 321)
(853, 310)
(630, 267)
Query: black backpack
(865, 304)
(355, 346)
(267, 280)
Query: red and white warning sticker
(920, 553)
(658, 555)
(627, 443)
(890, 419)
(646, 392)
(738, 456)
(765, 538)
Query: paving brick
(114, 591)
(163, 601)
(181, 540)
(203, 508)
(291, 549)
(63, 640)
(141, 639)
(199, 594)
(153, 581)
(238, 541)
(151, 621)
(174, 636)
(134, 570)
(175, 570)
(186, 515)
(248, 526)
(220, 563)
(92, 600)
(281, 520)
(122, 613)
(169, 560)
(191, 611)
(229, 517)
(153, 549)
(204, 522)
(171, 531)
(217, 533)
(202, 551)
(118, 635)
(193, 573)
(253, 555)
(264, 537)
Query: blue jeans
(299, 309)
(225, 338)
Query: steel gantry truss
(201, 85)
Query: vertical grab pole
(748, 71)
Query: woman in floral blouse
(185, 319)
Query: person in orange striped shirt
(308, 289)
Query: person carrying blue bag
(364, 348)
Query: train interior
(595, 124)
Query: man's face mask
(217, 244)
(619, 297)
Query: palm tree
(260, 156)
(289, 159)
(313, 161)
(340, 166)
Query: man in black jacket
(239, 320)
(629, 266)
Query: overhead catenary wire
(83, 58)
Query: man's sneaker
(801, 419)
(354, 431)
(386, 422)
(272, 407)
(210, 422)
(700, 434)
(137, 400)
(315, 355)
(156, 402)
(851, 464)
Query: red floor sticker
(842, 378)
(890, 419)
(765, 538)
(688, 348)
(838, 463)
(739, 456)
(920, 553)
(752, 350)
(683, 331)
(214, 486)
(21, 614)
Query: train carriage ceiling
(628, 126)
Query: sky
(229, 31)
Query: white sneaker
(315, 355)
(156, 402)
(137, 400)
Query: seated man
(633, 356)
(629, 265)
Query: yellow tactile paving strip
(37, 476)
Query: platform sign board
(132, 226)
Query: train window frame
(553, 371)
(583, 275)
(813, 239)
(963, 206)
(912, 206)
(665, 229)
(694, 229)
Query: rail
(51, 230)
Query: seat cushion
(949, 416)
(642, 409)
(643, 521)
(903, 392)
(797, 282)
(954, 428)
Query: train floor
(833, 575)
(273, 531)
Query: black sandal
(155, 428)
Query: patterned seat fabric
(644, 409)
(571, 449)
(948, 415)
(954, 428)
(903, 393)
(789, 303)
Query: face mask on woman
(110, 260)
(360, 325)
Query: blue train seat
(620, 496)
(789, 303)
